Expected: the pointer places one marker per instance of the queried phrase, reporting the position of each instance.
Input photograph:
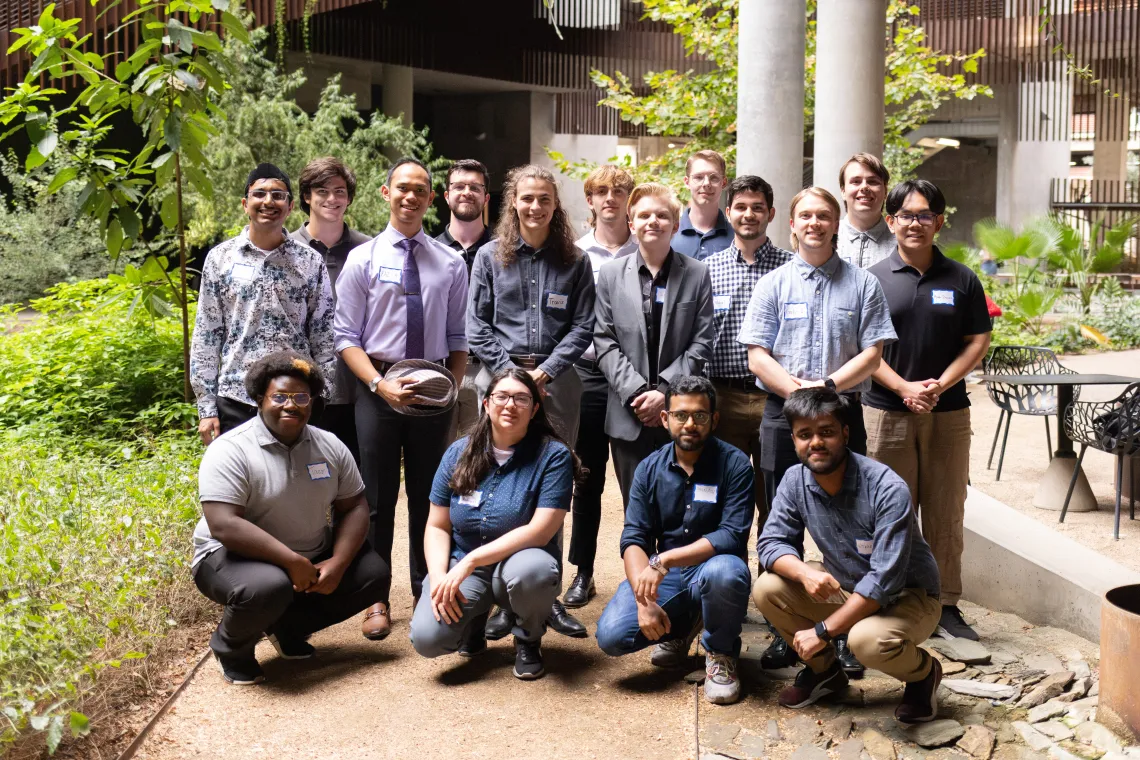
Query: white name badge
(557, 300)
(242, 272)
(319, 471)
(721, 303)
(704, 493)
(795, 311)
(388, 274)
(471, 499)
(864, 545)
(942, 297)
(660, 297)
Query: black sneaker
(291, 648)
(581, 591)
(954, 624)
(920, 698)
(851, 666)
(528, 660)
(474, 642)
(778, 654)
(499, 625)
(810, 687)
(240, 670)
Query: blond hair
(824, 196)
(606, 175)
(655, 190)
(708, 155)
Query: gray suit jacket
(620, 335)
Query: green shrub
(93, 365)
(93, 549)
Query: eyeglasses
(925, 219)
(276, 195)
(700, 179)
(300, 399)
(522, 400)
(700, 418)
(474, 187)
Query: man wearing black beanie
(261, 292)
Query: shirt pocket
(843, 322)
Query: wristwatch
(821, 632)
(375, 382)
(655, 563)
(829, 384)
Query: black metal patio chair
(1032, 400)
(1112, 427)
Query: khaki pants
(740, 415)
(468, 404)
(887, 641)
(931, 452)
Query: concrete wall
(598, 148)
(967, 176)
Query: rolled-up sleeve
(638, 521)
(875, 316)
(352, 299)
(556, 485)
(761, 318)
(783, 532)
(731, 536)
(890, 555)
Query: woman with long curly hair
(497, 506)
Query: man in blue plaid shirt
(735, 272)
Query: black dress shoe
(565, 623)
(851, 666)
(778, 655)
(474, 640)
(581, 591)
(499, 624)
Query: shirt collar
(709, 454)
(452, 242)
(851, 478)
(245, 242)
(640, 262)
(828, 268)
(303, 233)
(897, 264)
(720, 226)
(393, 236)
(767, 249)
(878, 233)
(265, 438)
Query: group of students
(682, 340)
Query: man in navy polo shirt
(704, 228)
(917, 413)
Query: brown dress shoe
(377, 622)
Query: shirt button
(484, 519)
(534, 306)
(533, 330)
(689, 506)
(686, 530)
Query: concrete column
(397, 88)
(1110, 147)
(770, 100)
(850, 68)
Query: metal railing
(1081, 203)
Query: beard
(467, 212)
(689, 444)
(748, 235)
(826, 467)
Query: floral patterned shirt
(252, 303)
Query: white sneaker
(722, 687)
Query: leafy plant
(1077, 259)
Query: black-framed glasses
(925, 218)
(275, 195)
(700, 418)
(475, 187)
(300, 399)
(522, 400)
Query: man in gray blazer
(654, 324)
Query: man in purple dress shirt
(400, 296)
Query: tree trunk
(187, 391)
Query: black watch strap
(821, 631)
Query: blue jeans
(717, 589)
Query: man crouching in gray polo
(267, 547)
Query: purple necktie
(413, 301)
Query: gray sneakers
(675, 653)
(722, 686)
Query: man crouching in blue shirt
(684, 544)
(878, 582)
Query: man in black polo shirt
(467, 195)
(917, 412)
(327, 190)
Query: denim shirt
(537, 305)
(814, 320)
(508, 495)
(668, 508)
(867, 532)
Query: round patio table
(1053, 486)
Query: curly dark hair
(263, 371)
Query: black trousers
(387, 438)
(340, 420)
(778, 450)
(628, 455)
(233, 413)
(593, 448)
(259, 598)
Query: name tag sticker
(864, 545)
(319, 471)
(557, 300)
(704, 493)
(721, 303)
(942, 297)
(795, 311)
(660, 297)
(389, 274)
(242, 272)
(472, 499)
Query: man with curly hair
(267, 546)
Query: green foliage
(702, 107)
(94, 364)
(264, 123)
(1077, 259)
(92, 567)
